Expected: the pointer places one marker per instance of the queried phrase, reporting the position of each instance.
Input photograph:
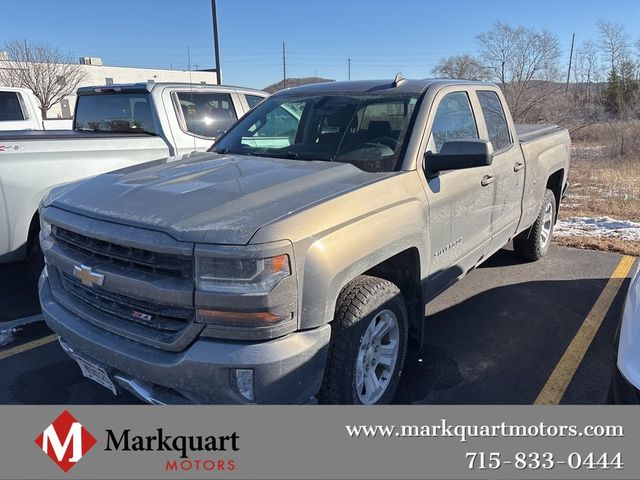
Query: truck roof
(378, 86)
(148, 86)
(15, 89)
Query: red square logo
(66, 441)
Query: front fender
(22, 221)
(333, 260)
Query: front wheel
(35, 258)
(368, 344)
(536, 244)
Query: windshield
(367, 131)
(115, 112)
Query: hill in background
(294, 82)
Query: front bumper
(286, 370)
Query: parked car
(19, 111)
(115, 126)
(625, 385)
(294, 260)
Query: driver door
(460, 201)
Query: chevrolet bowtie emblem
(88, 277)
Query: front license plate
(96, 374)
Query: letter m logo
(66, 441)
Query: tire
(611, 398)
(35, 258)
(535, 245)
(366, 308)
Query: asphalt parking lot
(496, 337)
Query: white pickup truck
(19, 110)
(115, 126)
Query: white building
(98, 74)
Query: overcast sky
(380, 37)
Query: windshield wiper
(309, 156)
(225, 150)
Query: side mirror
(459, 154)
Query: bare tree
(588, 69)
(614, 42)
(460, 66)
(46, 70)
(572, 111)
(524, 62)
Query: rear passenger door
(460, 201)
(509, 168)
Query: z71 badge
(10, 147)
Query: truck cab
(188, 117)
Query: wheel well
(403, 269)
(34, 230)
(554, 183)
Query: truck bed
(32, 161)
(63, 135)
(528, 132)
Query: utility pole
(216, 46)
(349, 68)
(573, 39)
(284, 67)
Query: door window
(495, 119)
(10, 109)
(454, 120)
(253, 100)
(207, 114)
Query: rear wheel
(536, 244)
(368, 344)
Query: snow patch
(6, 337)
(603, 227)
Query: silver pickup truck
(293, 262)
(115, 126)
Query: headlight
(241, 275)
(45, 227)
(246, 292)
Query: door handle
(518, 166)
(487, 180)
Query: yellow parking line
(28, 346)
(562, 375)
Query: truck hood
(207, 197)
